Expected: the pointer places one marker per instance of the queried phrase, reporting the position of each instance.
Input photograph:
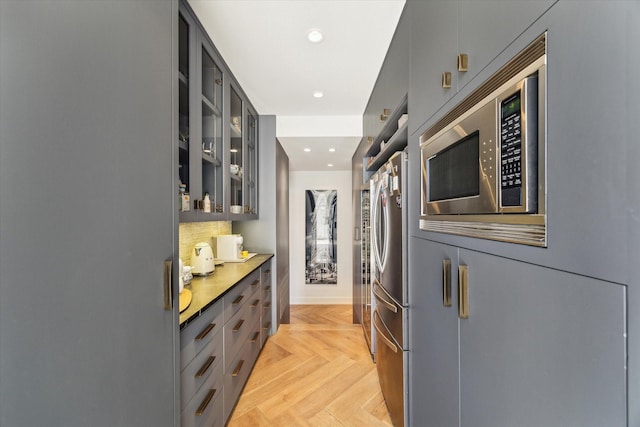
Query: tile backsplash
(191, 233)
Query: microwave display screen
(455, 172)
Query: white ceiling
(265, 44)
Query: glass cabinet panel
(183, 107)
(212, 151)
(251, 169)
(236, 154)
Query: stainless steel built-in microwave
(487, 161)
(484, 161)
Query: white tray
(251, 255)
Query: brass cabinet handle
(168, 285)
(255, 337)
(446, 282)
(446, 79)
(267, 272)
(238, 326)
(255, 283)
(267, 326)
(463, 62)
(463, 292)
(205, 331)
(255, 303)
(237, 300)
(267, 288)
(266, 304)
(385, 114)
(205, 367)
(205, 402)
(237, 370)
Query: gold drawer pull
(266, 304)
(463, 292)
(255, 283)
(267, 288)
(446, 79)
(267, 326)
(238, 325)
(255, 337)
(237, 370)
(205, 402)
(267, 272)
(205, 331)
(237, 300)
(446, 282)
(463, 62)
(205, 367)
(255, 303)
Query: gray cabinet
(266, 302)
(202, 367)
(219, 349)
(539, 346)
(217, 132)
(87, 213)
(443, 30)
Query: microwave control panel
(511, 151)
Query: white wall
(299, 181)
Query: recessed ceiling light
(332, 150)
(330, 165)
(306, 150)
(318, 94)
(315, 36)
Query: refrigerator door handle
(381, 299)
(378, 329)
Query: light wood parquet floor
(316, 371)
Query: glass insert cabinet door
(251, 172)
(236, 153)
(212, 143)
(183, 105)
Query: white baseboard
(320, 300)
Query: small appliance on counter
(202, 260)
(229, 247)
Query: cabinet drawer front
(236, 376)
(240, 294)
(200, 369)
(210, 411)
(238, 330)
(195, 336)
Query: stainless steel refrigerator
(389, 282)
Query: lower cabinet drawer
(196, 335)
(200, 369)
(206, 407)
(239, 329)
(239, 368)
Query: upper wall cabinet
(243, 169)
(217, 133)
(452, 42)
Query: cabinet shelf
(208, 108)
(389, 130)
(396, 143)
(213, 160)
(184, 80)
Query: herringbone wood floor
(316, 371)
